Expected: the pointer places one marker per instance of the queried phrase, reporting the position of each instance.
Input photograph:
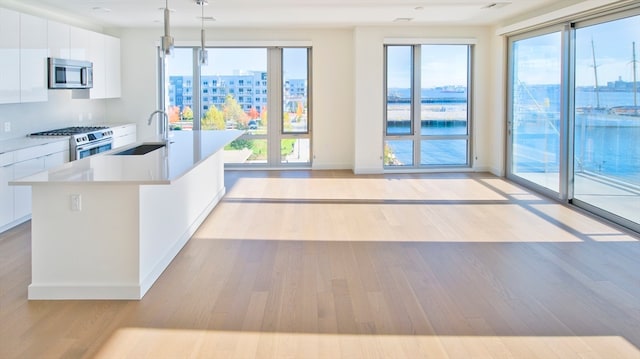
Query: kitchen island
(106, 226)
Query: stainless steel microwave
(70, 74)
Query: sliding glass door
(534, 125)
(574, 114)
(606, 158)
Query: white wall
(347, 87)
(495, 140)
(59, 111)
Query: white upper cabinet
(104, 52)
(112, 64)
(79, 43)
(59, 40)
(27, 41)
(9, 56)
(33, 59)
(96, 55)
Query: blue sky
(442, 65)
(539, 57)
(612, 43)
(227, 61)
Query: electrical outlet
(7, 126)
(76, 202)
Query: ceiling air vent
(402, 19)
(496, 5)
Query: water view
(606, 143)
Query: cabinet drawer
(6, 159)
(41, 150)
(123, 130)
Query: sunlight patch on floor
(380, 223)
(363, 189)
(176, 343)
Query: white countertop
(20, 143)
(186, 149)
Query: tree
(299, 110)
(287, 122)
(213, 119)
(174, 114)
(187, 114)
(263, 116)
(253, 113)
(233, 112)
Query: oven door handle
(94, 144)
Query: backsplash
(60, 111)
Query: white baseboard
(331, 166)
(368, 171)
(83, 292)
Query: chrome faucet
(164, 125)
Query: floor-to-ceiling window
(247, 89)
(606, 155)
(535, 91)
(427, 117)
(574, 117)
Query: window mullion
(416, 103)
(197, 91)
(274, 99)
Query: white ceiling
(287, 13)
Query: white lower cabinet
(6, 193)
(55, 159)
(22, 194)
(124, 135)
(15, 206)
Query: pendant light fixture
(203, 59)
(166, 40)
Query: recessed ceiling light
(402, 19)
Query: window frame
(415, 135)
(271, 85)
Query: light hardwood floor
(326, 264)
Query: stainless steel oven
(92, 148)
(84, 141)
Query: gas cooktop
(69, 131)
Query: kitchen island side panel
(90, 252)
(171, 214)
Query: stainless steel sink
(140, 149)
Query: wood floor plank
(326, 264)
